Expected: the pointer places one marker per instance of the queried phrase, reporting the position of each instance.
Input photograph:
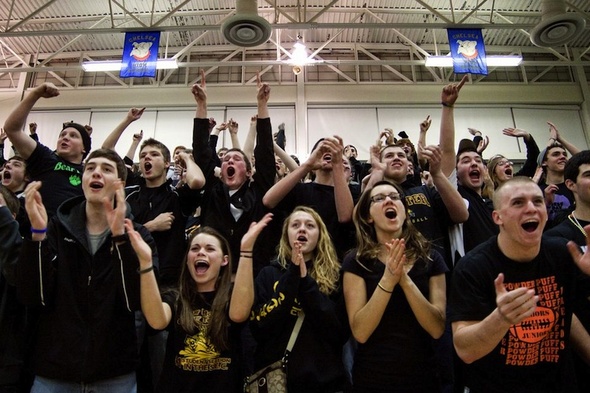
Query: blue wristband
(33, 230)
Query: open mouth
(391, 213)
(301, 239)
(327, 157)
(7, 175)
(201, 267)
(530, 226)
(474, 175)
(231, 171)
(96, 185)
(147, 166)
(508, 172)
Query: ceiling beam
(285, 26)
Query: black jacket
(215, 211)
(146, 204)
(315, 363)
(13, 315)
(86, 328)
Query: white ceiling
(360, 41)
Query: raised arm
(289, 162)
(242, 297)
(377, 167)
(448, 97)
(250, 137)
(475, 339)
(194, 177)
(16, 120)
(424, 127)
(278, 191)
(3, 137)
(200, 94)
(342, 195)
(262, 98)
(556, 136)
(232, 126)
(36, 211)
(448, 192)
(134, 144)
(532, 150)
(112, 139)
(157, 313)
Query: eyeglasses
(504, 162)
(379, 198)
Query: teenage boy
(81, 272)
(512, 300)
(59, 170)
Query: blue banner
(468, 51)
(140, 54)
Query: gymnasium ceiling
(359, 41)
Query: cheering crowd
(428, 268)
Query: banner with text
(140, 54)
(468, 51)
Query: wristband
(445, 104)
(383, 288)
(245, 256)
(33, 230)
(146, 270)
(120, 238)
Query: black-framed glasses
(379, 198)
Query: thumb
(499, 284)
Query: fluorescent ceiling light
(299, 56)
(115, 65)
(491, 61)
(97, 66)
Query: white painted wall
(356, 112)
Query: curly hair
(325, 269)
(368, 247)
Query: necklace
(575, 221)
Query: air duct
(557, 26)
(246, 28)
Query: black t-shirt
(192, 363)
(480, 226)
(61, 179)
(321, 198)
(534, 355)
(399, 353)
(430, 216)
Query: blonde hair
(325, 269)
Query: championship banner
(140, 54)
(468, 51)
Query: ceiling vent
(246, 28)
(557, 26)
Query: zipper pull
(89, 278)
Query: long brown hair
(325, 268)
(367, 245)
(189, 296)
